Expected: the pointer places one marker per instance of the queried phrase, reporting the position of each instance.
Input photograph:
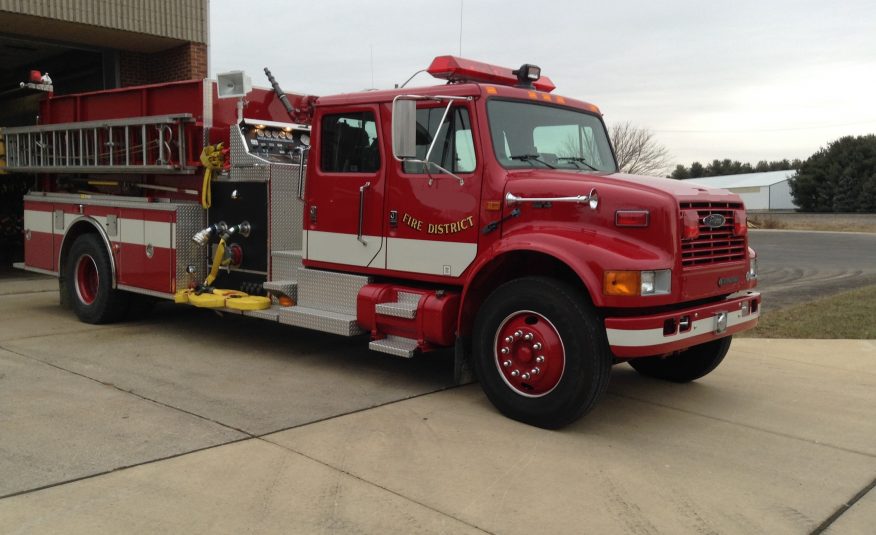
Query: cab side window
(454, 148)
(349, 143)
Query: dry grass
(830, 222)
(849, 315)
(765, 221)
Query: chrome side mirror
(404, 129)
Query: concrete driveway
(188, 422)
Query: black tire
(686, 366)
(545, 309)
(88, 279)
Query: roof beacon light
(527, 74)
(455, 69)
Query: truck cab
(496, 188)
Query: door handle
(362, 211)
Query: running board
(405, 306)
(321, 320)
(395, 345)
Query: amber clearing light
(691, 225)
(740, 223)
(631, 218)
(621, 283)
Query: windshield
(528, 135)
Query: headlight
(637, 282)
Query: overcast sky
(740, 79)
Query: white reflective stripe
(428, 256)
(157, 234)
(653, 337)
(38, 221)
(345, 249)
(131, 231)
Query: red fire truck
(485, 213)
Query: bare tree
(637, 151)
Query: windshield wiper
(576, 160)
(530, 158)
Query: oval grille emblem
(714, 220)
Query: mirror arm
(457, 177)
(438, 131)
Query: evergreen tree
(838, 178)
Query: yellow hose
(217, 263)
(213, 160)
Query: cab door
(432, 223)
(343, 221)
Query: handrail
(362, 211)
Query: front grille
(714, 245)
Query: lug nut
(536, 346)
(536, 370)
(515, 373)
(518, 334)
(539, 359)
(525, 377)
(506, 363)
(527, 336)
(509, 339)
(505, 350)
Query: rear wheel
(88, 275)
(686, 366)
(540, 352)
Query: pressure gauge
(304, 139)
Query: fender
(87, 220)
(586, 255)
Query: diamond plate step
(395, 345)
(329, 291)
(321, 320)
(289, 288)
(270, 314)
(285, 264)
(404, 307)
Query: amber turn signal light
(621, 282)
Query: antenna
(461, 2)
(372, 66)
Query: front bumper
(658, 334)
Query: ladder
(153, 144)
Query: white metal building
(760, 192)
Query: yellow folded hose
(216, 298)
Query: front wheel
(540, 352)
(686, 366)
(88, 279)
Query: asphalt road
(798, 266)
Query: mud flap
(463, 373)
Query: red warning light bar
(457, 69)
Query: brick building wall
(185, 62)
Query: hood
(576, 182)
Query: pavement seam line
(31, 292)
(63, 333)
(130, 392)
(120, 468)
(843, 508)
(748, 426)
(355, 411)
(372, 483)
